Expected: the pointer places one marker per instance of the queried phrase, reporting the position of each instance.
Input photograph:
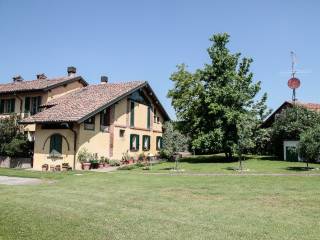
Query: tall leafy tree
(211, 100)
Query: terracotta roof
(39, 84)
(311, 106)
(84, 102)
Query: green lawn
(132, 205)
(217, 164)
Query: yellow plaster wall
(62, 90)
(95, 141)
(120, 113)
(42, 147)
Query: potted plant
(65, 167)
(58, 168)
(101, 162)
(106, 162)
(45, 167)
(84, 158)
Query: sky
(145, 40)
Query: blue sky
(145, 40)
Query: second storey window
(89, 123)
(7, 105)
(105, 119)
(131, 114)
(32, 105)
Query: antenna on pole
(293, 82)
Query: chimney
(17, 78)
(104, 79)
(41, 76)
(71, 71)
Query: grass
(130, 205)
(217, 164)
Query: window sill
(53, 157)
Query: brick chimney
(71, 71)
(41, 76)
(104, 79)
(17, 78)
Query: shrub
(114, 163)
(309, 145)
(84, 155)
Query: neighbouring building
(108, 119)
(24, 98)
(290, 146)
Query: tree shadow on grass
(299, 169)
(208, 159)
(269, 158)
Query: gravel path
(19, 181)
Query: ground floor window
(56, 145)
(146, 142)
(159, 142)
(134, 142)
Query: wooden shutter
(1, 106)
(137, 143)
(132, 114)
(27, 104)
(148, 118)
(39, 100)
(12, 105)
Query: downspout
(75, 136)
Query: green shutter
(148, 118)
(27, 104)
(12, 105)
(131, 141)
(1, 106)
(132, 114)
(39, 100)
(138, 142)
(159, 143)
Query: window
(159, 143)
(121, 132)
(158, 119)
(56, 145)
(132, 114)
(105, 119)
(146, 142)
(32, 105)
(89, 123)
(148, 118)
(134, 142)
(7, 105)
(155, 115)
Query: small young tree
(309, 145)
(173, 141)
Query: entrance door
(291, 154)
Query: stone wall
(8, 162)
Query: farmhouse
(107, 119)
(24, 98)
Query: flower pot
(86, 166)
(65, 168)
(101, 165)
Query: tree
(173, 140)
(12, 141)
(289, 124)
(309, 145)
(211, 100)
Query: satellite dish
(293, 83)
